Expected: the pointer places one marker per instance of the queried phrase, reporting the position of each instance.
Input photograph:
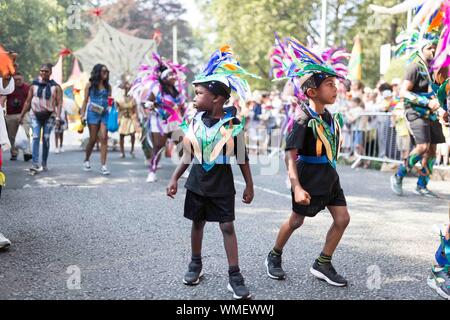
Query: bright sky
(192, 14)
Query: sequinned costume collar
(208, 142)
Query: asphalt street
(79, 235)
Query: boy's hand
(172, 189)
(434, 104)
(301, 196)
(248, 195)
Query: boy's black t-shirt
(219, 181)
(316, 179)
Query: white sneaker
(104, 170)
(87, 166)
(4, 243)
(57, 151)
(152, 177)
(61, 150)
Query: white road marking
(274, 192)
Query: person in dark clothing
(14, 105)
(213, 136)
(312, 149)
(421, 112)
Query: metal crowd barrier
(378, 140)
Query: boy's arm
(247, 174)
(300, 194)
(186, 160)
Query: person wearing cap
(312, 148)
(421, 108)
(213, 136)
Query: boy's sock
(197, 259)
(233, 269)
(323, 259)
(276, 252)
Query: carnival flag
(57, 70)
(355, 65)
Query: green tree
(249, 26)
(29, 28)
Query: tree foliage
(249, 27)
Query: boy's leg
(341, 219)
(194, 273)
(197, 237)
(230, 243)
(322, 267)
(294, 222)
(273, 260)
(236, 283)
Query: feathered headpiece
(300, 64)
(442, 56)
(413, 42)
(152, 73)
(280, 62)
(223, 67)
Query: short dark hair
(47, 65)
(358, 101)
(217, 88)
(385, 86)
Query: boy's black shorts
(319, 203)
(211, 209)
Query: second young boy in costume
(312, 148)
(212, 137)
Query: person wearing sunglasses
(45, 101)
(95, 112)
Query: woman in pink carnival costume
(162, 89)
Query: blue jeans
(41, 128)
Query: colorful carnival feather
(149, 77)
(6, 63)
(442, 57)
(223, 67)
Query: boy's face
(326, 93)
(204, 99)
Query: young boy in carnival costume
(211, 138)
(312, 149)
